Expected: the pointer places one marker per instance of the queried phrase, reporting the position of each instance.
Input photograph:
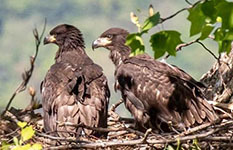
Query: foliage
(27, 133)
(207, 17)
(193, 146)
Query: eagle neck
(119, 54)
(63, 49)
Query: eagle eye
(109, 36)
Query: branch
(99, 129)
(68, 139)
(208, 50)
(114, 106)
(188, 2)
(146, 135)
(180, 46)
(104, 144)
(179, 11)
(198, 128)
(28, 73)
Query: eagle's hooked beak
(49, 39)
(100, 42)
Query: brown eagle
(157, 94)
(74, 90)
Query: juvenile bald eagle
(74, 90)
(158, 95)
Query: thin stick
(114, 106)
(179, 11)
(180, 46)
(207, 49)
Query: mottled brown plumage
(157, 94)
(75, 89)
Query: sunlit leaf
(165, 41)
(16, 141)
(21, 124)
(27, 133)
(207, 29)
(134, 18)
(151, 22)
(36, 147)
(219, 19)
(169, 147)
(5, 145)
(196, 145)
(197, 19)
(135, 41)
(178, 147)
(24, 147)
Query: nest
(121, 134)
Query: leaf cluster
(27, 133)
(208, 17)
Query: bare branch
(114, 106)
(188, 2)
(104, 144)
(146, 135)
(179, 11)
(180, 46)
(99, 129)
(28, 73)
(208, 50)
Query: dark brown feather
(162, 93)
(75, 89)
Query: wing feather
(76, 96)
(163, 91)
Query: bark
(219, 79)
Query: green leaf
(27, 133)
(165, 41)
(209, 10)
(207, 29)
(197, 19)
(195, 145)
(21, 124)
(24, 147)
(225, 11)
(36, 146)
(151, 22)
(16, 141)
(5, 145)
(169, 147)
(178, 144)
(135, 41)
(229, 35)
(224, 39)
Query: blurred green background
(18, 18)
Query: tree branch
(145, 139)
(179, 11)
(208, 50)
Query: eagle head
(111, 38)
(65, 35)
